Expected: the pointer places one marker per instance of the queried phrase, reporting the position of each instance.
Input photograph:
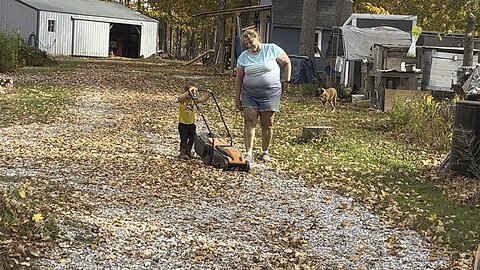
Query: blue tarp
(303, 69)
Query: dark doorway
(125, 40)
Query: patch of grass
(440, 218)
(63, 66)
(370, 161)
(428, 122)
(34, 104)
(309, 88)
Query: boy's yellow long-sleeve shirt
(186, 112)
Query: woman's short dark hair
(251, 33)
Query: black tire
(224, 164)
(246, 167)
(208, 159)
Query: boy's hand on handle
(193, 92)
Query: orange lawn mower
(215, 150)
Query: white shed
(81, 27)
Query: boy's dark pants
(187, 136)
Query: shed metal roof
(87, 7)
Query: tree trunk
(139, 6)
(220, 32)
(169, 32)
(163, 33)
(170, 39)
(316, 132)
(468, 41)
(307, 35)
(180, 41)
(191, 44)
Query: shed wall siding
(58, 42)
(15, 16)
(440, 69)
(329, 12)
(149, 39)
(90, 38)
(283, 37)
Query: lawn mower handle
(219, 111)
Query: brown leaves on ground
(119, 146)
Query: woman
(258, 88)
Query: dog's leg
(331, 104)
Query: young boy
(186, 118)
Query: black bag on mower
(215, 150)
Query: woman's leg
(266, 124)
(250, 118)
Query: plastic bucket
(465, 154)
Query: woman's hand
(285, 85)
(238, 103)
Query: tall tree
(220, 33)
(307, 34)
(469, 33)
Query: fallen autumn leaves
(123, 201)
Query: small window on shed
(51, 25)
(318, 43)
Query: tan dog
(329, 96)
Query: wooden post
(221, 55)
(234, 34)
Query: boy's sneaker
(248, 158)
(266, 157)
(182, 156)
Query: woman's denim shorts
(263, 105)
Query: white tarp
(358, 41)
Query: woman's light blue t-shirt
(262, 72)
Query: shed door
(90, 38)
